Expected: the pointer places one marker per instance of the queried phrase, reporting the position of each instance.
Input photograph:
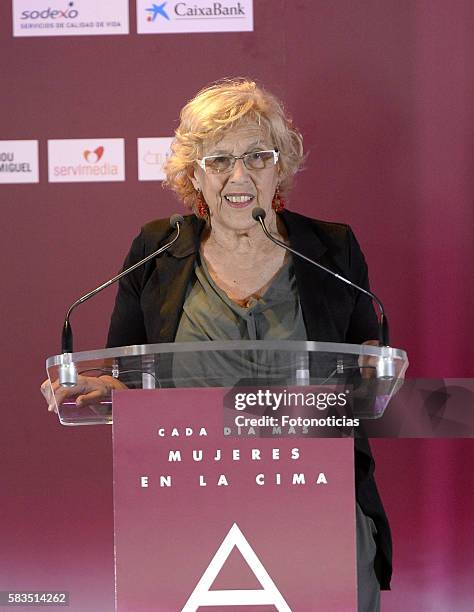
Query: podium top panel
(140, 350)
(374, 371)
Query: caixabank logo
(69, 17)
(171, 16)
(80, 160)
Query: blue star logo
(157, 9)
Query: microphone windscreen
(175, 220)
(258, 213)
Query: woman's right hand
(89, 390)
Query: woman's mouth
(239, 200)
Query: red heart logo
(92, 157)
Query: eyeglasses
(257, 160)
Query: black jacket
(149, 305)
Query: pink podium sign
(205, 521)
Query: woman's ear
(194, 179)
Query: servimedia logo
(97, 160)
(196, 16)
(92, 157)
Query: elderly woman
(235, 149)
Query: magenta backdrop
(382, 92)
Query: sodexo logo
(196, 16)
(69, 17)
(48, 13)
(79, 160)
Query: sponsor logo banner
(86, 160)
(152, 154)
(173, 16)
(69, 17)
(18, 161)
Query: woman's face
(231, 196)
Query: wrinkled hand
(89, 390)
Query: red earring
(202, 207)
(278, 203)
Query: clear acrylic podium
(374, 373)
(183, 515)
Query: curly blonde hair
(216, 110)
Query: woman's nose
(239, 171)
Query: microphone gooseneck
(259, 215)
(66, 337)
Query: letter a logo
(268, 595)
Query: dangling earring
(278, 203)
(201, 206)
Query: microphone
(259, 215)
(67, 371)
(175, 221)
